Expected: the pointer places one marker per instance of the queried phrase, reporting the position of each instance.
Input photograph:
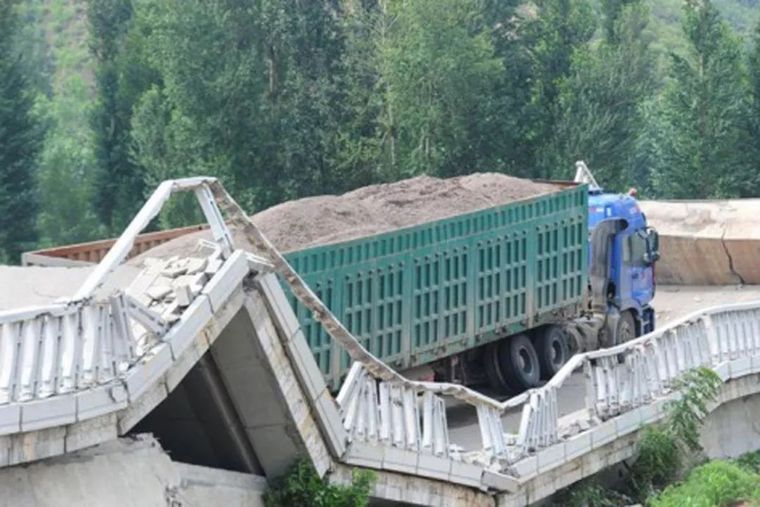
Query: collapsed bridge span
(207, 345)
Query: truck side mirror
(653, 246)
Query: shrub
(717, 483)
(658, 462)
(685, 416)
(589, 493)
(750, 461)
(662, 448)
(301, 486)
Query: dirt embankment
(374, 209)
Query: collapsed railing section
(626, 377)
(92, 338)
(616, 380)
(393, 414)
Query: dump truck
(501, 295)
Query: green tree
(248, 92)
(121, 76)
(598, 108)
(508, 124)
(754, 107)
(612, 10)
(359, 136)
(553, 35)
(19, 142)
(67, 157)
(702, 113)
(439, 74)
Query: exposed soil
(374, 209)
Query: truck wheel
(493, 370)
(552, 349)
(519, 363)
(626, 328)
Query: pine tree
(19, 141)
(121, 77)
(553, 34)
(440, 74)
(753, 129)
(598, 117)
(702, 114)
(67, 160)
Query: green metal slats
(424, 292)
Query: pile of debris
(168, 286)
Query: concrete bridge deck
(206, 350)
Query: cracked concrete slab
(706, 242)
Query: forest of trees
(287, 98)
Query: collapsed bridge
(218, 353)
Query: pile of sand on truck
(321, 220)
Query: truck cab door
(638, 269)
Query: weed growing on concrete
(301, 486)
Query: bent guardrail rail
(75, 353)
(617, 382)
(631, 375)
(382, 407)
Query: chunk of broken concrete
(157, 292)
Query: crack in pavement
(730, 258)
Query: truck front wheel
(552, 349)
(626, 328)
(519, 363)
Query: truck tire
(519, 363)
(553, 350)
(626, 328)
(493, 370)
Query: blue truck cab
(633, 251)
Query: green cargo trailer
(419, 294)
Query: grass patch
(717, 483)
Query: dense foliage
(288, 98)
(19, 140)
(302, 486)
(716, 483)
